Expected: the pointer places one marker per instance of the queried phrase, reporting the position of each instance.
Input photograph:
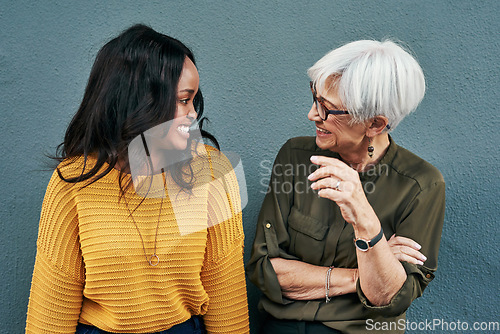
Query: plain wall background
(252, 58)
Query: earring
(370, 148)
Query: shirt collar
(380, 168)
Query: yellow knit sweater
(91, 268)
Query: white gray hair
(374, 79)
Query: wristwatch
(364, 245)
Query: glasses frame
(323, 111)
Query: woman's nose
(192, 113)
(313, 114)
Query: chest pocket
(307, 236)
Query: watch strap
(377, 238)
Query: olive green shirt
(408, 196)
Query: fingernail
(420, 262)
(314, 159)
(310, 177)
(423, 258)
(313, 184)
(417, 246)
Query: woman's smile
(322, 132)
(183, 130)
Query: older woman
(354, 239)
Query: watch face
(361, 244)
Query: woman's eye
(184, 101)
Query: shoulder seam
(239, 241)
(60, 270)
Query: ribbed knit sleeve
(223, 274)
(58, 277)
(224, 283)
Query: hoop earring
(370, 148)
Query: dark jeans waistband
(273, 325)
(194, 325)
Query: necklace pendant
(153, 260)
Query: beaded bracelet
(327, 284)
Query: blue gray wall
(252, 57)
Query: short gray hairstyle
(373, 79)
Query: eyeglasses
(323, 111)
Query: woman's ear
(376, 125)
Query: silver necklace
(153, 259)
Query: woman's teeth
(183, 128)
(322, 131)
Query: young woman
(113, 258)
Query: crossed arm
(303, 281)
